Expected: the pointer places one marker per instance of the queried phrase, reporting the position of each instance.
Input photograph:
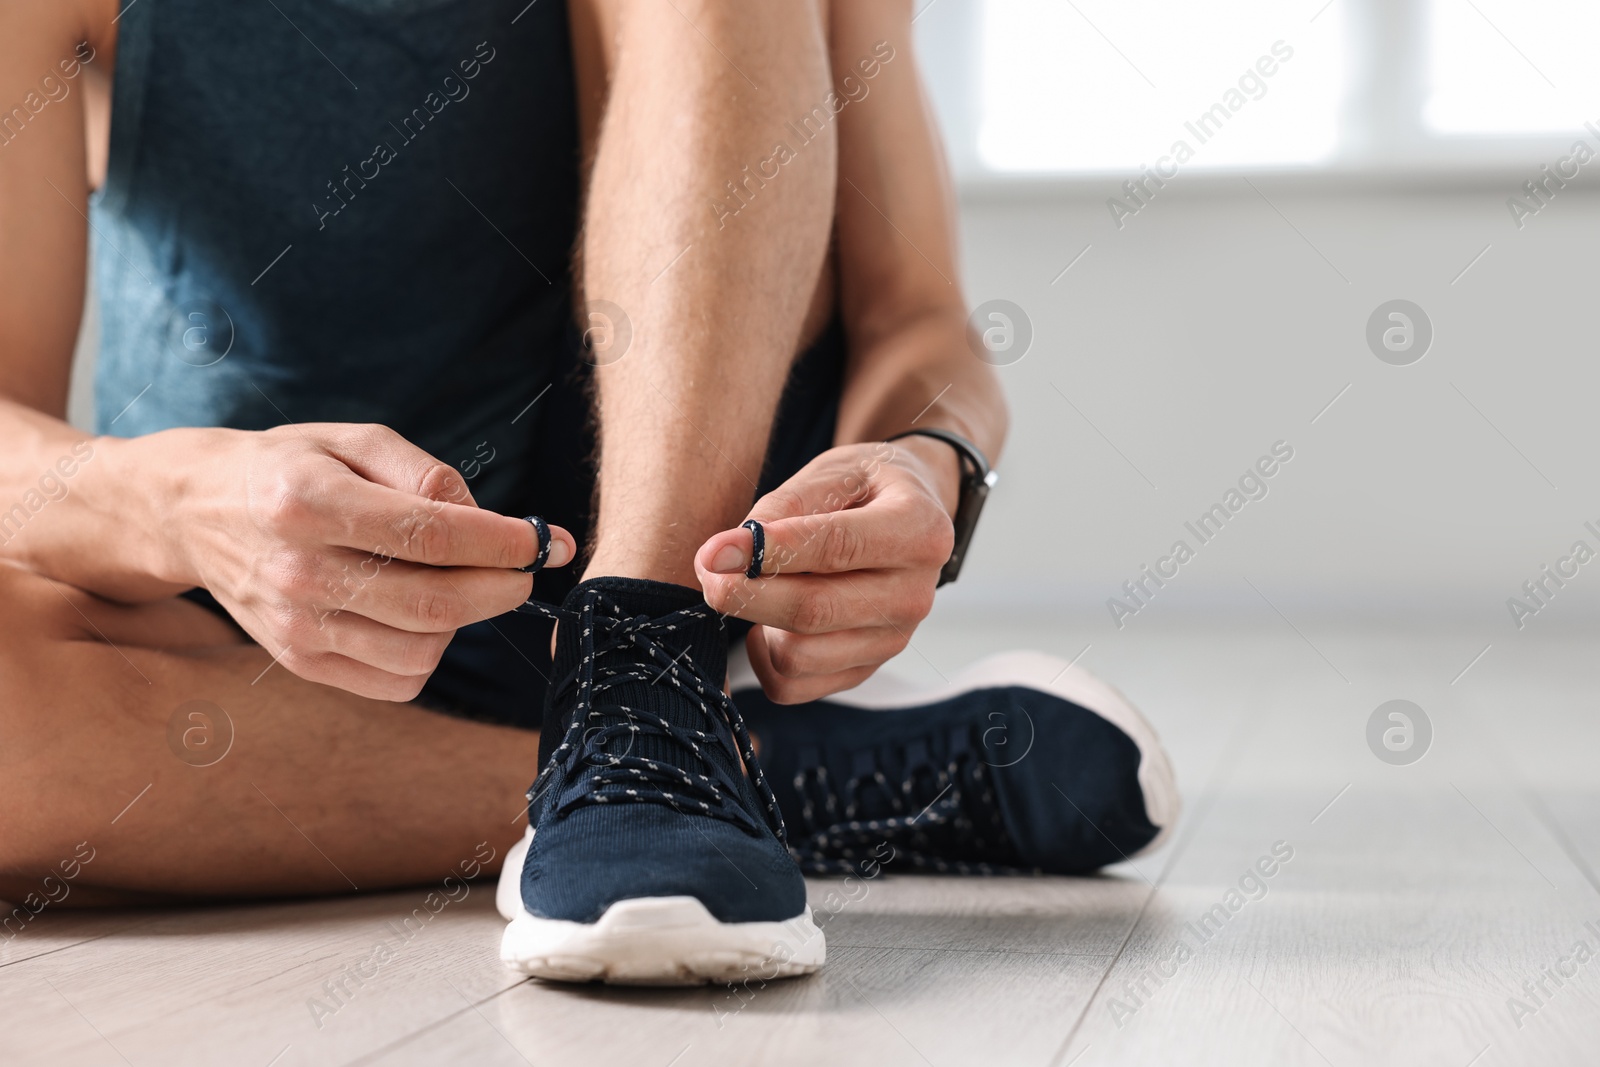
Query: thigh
(190, 764)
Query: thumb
(826, 485)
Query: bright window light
(1512, 66)
(1093, 85)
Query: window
(1039, 88)
(1085, 85)
(1512, 66)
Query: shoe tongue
(635, 596)
(696, 645)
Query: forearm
(912, 363)
(923, 374)
(83, 510)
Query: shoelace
(937, 809)
(595, 776)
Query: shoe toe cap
(1071, 797)
(580, 864)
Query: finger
(397, 652)
(895, 530)
(421, 599)
(785, 690)
(797, 656)
(836, 480)
(822, 488)
(342, 672)
(374, 518)
(819, 604)
(381, 455)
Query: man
(338, 359)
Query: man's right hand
(347, 552)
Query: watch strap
(977, 478)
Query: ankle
(676, 568)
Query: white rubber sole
(1035, 670)
(661, 941)
(508, 890)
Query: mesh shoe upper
(643, 792)
(992, 780)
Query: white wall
(1208, 328)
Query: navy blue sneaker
(652, 857)
(1021, 764)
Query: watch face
(973, 494)
(976, 481)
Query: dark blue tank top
(339, 210)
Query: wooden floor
(1418, 900)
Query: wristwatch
(976, 480)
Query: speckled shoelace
(541, 531)
(962, 815)
(595, 775)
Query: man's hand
(347, 552)
(854, 545)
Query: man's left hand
(855, 542)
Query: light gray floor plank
(1418, 902)
(882, 1006)
(253, 979)
(1060, 916)
(1395, 935)
(61, 929)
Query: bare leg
(321, 791)
(717, 300)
